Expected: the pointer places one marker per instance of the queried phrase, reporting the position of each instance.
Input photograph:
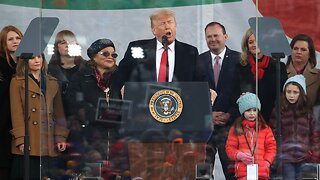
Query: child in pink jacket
(250, 139)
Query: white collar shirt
(171, 55)
(222, 54)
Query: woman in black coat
(245, 77)
(95, 81)
(10, 38)
(64, 63)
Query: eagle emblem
(165, 106)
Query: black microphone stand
(165, 43)
(34, 41)
(277, 57)
(25, 57)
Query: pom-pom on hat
(248, 101)
(98, 45)
(300, 79)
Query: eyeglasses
(107, 54)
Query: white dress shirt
(171, 55)
(213, 56)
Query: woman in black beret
(96, 79)
(93, 97)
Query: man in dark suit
(223, 60)
(142, 63)
(142, 59)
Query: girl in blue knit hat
(299, 142)
(250, 139)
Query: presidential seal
(165, 106)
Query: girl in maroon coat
(299, 137)
(250, 140)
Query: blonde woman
(246, 74)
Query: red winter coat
(266, 149)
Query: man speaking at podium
(163, 58)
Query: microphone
(165, 42)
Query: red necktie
(163, 67)
(216, 70)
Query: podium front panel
(177, 109)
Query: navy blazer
(223, 101)
(143, 69)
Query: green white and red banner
(125, 20)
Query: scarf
(261, 66)
(248, 127)
(248, 124)
(103, 80)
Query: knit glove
(245, 157)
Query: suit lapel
(224, 66)
(151, 60)
(290, 70)
(51, 89)
(310, 75)
(32, 86)
(208, 64)
(176, 60)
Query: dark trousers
(4, 173)
(291, 171)
(217, 143)
(36, 172)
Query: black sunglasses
(107, 54)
